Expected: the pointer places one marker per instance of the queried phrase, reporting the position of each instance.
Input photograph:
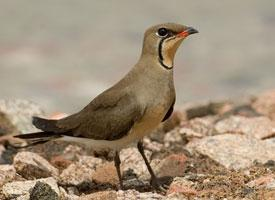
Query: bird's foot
(160, 184)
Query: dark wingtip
(38, 122)
(34, 120)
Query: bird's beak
(187, 32)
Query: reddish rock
(183, 186)
(265, 104)
(31, 166)
(258, 127)
(60, 162)
(263, 182)
(76, 174)
(172, 165)
(106, 173)
(100, 196)
(267, 195)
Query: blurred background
(63, 53)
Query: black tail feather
(37, 138)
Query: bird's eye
(162, 32)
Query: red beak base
(187, 32)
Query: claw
(157, 185)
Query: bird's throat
(165, 62)
(166, 51)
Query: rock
(31, 166)
(106, 174)
(268, 195)
(65, 196)
(133, 195)
(183, 186)
(266, 182)
(76, 174)
(258, 127)
(194, 110)
(60, 162)
(2, 150)
(234, 151)
(178, 196)
(6, 127)
(90, 161)
(7, 173)
(265, 104)
(22, 189)
(100, 196)
(203, 125)
(69, 151)
(20, 113)
(175, 136)
(132, 160)
(43, 191)
(189, 130)
(151, 145)
(171, 166)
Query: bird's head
(162, 41)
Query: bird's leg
(117, 165)
(154, 181)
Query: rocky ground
(216, 150)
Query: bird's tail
(36, 138)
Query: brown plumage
(131, 108)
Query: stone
(6, 127)
(133, 195)
(90, 161)
(173, 165)
(100, 195)
(106, 174)
(31, 166)
(76, 174)
(234, 151)
(258, 127)
(265, 104)
(151, 145)
(69, 151)
(268, 195)
(60, 162)
(23, 189)
(7, 174)
(174, 136)
(194, 110)
(43, 191)
(178, 196)
(20, 113)
(2, 151)
(132, 160)
(203, 125)
(266, 182)
(67, 196)
(183, 186)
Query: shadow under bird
(130, 109)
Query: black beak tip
(191, 30)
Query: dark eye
(162, 32)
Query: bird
(131, 108)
